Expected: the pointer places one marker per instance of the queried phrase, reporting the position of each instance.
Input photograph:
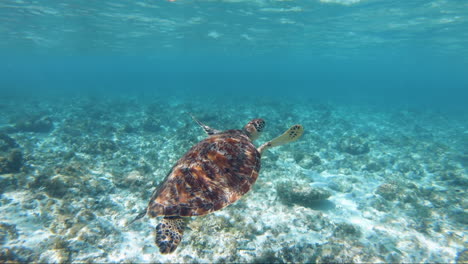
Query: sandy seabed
(363, 184)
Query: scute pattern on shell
(211, 175)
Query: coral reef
(354, 145)
(7, 182)
(462, 257)
(38, 124)
(11, 162)
(6, 142)
(364, 184)
(307, 161)
(388, 191)
(11, 157)
(294, 192)
(7, 232)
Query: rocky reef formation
(7, 143)
(307, 161)
(301, 193)
(360, 186)
(39, 124)
(354, 145)
(11, 157)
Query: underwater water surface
(96, 99)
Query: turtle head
(254, 128)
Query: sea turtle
(213, 174)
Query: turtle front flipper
(291, 135)
(169, 233)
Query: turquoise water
(95, 102)
(408, 51)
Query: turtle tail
(169, 233)
(138, 217)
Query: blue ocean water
(95, 99)
(403, 51)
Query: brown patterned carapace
(211, 175)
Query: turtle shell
(211, 175)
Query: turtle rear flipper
(169, 233)
(291, 135)
(208, 130)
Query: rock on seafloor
(11, 157)
(295, 192)
(354, 145)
